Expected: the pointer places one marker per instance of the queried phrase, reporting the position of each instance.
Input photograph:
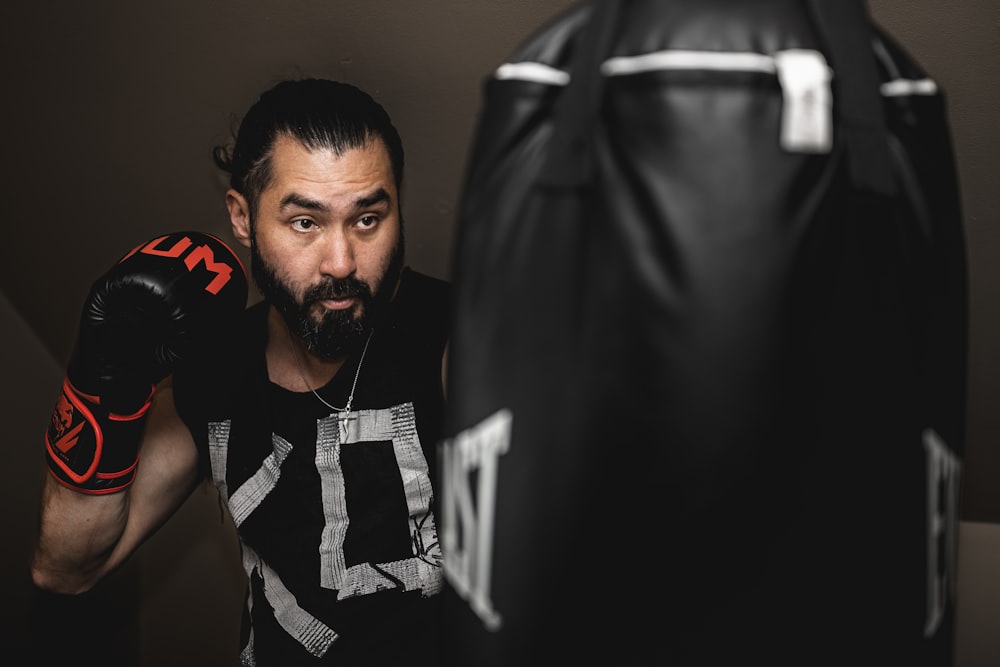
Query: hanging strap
(570, 161)
(845, 29)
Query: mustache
(337, 289)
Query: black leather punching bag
(707, 370)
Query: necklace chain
(346, 410)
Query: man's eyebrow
(300, 201)
(380, 196)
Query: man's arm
(83, 537)
(121, 460)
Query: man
(318, 416)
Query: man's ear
(239, 216)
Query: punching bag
(706, 380)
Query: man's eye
(367, 221)
(303, 224)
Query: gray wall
(111, 109)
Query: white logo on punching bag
(467, 516)
(943, 469)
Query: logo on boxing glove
(195, 256)
(63, 429)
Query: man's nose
(337, 258)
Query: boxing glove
(139, 321)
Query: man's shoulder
(420, 314)
(423, 296)
(424, 284)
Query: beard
(333, 333)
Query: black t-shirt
(335, 518)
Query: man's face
(327, 248)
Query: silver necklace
(344, 412)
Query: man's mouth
(338, 303)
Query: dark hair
(317, 112)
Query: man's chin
(354, 315)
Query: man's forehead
(302, 173)
(289, 143)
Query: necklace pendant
(344, 416)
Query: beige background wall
(111, 109)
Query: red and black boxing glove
(140, 319)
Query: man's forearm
(78, 536)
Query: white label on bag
(807, 115)
(467, 510)
(531, 71)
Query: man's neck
(290, 364)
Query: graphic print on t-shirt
(380, 455)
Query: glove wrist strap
(89, 448)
